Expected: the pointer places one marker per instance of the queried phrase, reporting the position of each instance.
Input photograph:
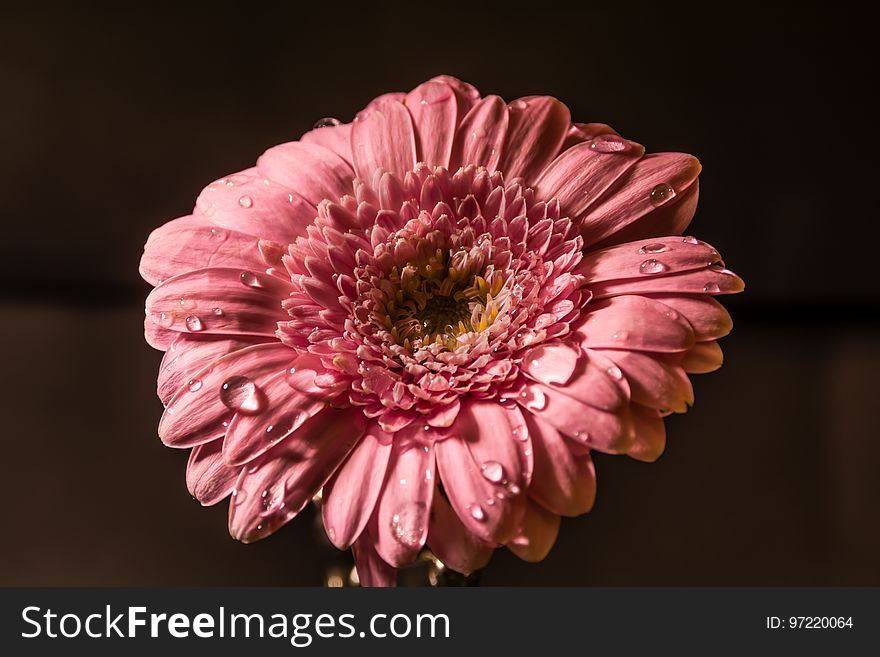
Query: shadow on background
(112, 121)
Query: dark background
(113, 119)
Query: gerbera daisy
(433, 314)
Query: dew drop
(653, 248)
(690, 240)
(218, 312)
(608, 144)
(493, 471)
(518, 105)
(477, 512)
(652, 266)
(615, 373)
(661, 193)
(194, 324)
(241, 394)
(408, 524)
(620, 336)
(194, 385)
(250, 279)
(711, 288)
(246, 202)
(326, 122)
(582, 436)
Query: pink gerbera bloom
(433, 313)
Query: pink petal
(371, 569)
(650, 431)
(396, 420)
(403, 509)
(707, 317)
(208, 478)
(312, 171)
(581, 132)
(537, 129)
(671, 218)
(653, 383)
(466, 94)
(563, 482)
(189, 243)
(536, 534)
(249, 436)
(700, 281)
(190, 353)
(598, 429)
(579, 175)
(645, 258)
(444, 415)
(703, 357)
(350, 495)
(246, 203)
(156, 336)
(480, 137)
(195, 413)
(336, 138)
(483, 468)
(434, 112)
(219, 301)
(633, 195)
(276, 489)
(382, 137)
(551, 362)
(633, 322)
(597, 381)
(453, 544)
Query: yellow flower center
(432, 301)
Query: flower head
(433, 313)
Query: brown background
(113, 119)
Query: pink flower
(433, 313)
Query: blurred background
(113, 119)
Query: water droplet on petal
(652, 267)
(620, 336)
(492, 471)
(662, 193)
(246, 201)
(711, 288)
(326, 122)
(518, 105)
(408, 524)
(250, 279)
(194, 385)
(582, 436)
(609, 144)
(477, 512)
(194, 324)
(653, 248)
(690, 240)
(218, 312)
(241, 394)
(615, 373)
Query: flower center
(440, 297)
